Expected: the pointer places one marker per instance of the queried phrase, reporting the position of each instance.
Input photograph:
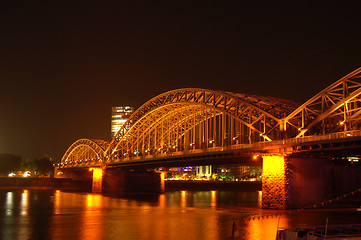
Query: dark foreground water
(186, 215)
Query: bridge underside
(193, 160)
(307, 182)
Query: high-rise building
(119, 116)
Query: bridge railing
(291, 141)
(338, 135)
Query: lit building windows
(119, 116)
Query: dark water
(190, 215)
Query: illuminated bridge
(199, 126)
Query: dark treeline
(14, 163)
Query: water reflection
(213, 199)
(18, 220)
(8, 220)
(174, 215)
(24, 202)
(264, 227)
(92, 216)
(9, 203)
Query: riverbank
(69, 184)
(44, 183)
(213, 185)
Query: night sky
(63, 65)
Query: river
(186, 215)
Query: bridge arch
(84, 151)
(202, 117)
(334, 109)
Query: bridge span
(197, 127)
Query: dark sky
(63, 65)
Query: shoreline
(43, 183)
(170, 185)
(212, 185)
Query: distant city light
(120, 115)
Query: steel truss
(84, 151)
(337, 108)
(189, 119)
(259, 114)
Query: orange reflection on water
(57, 202)
(162, 201)
(264, 227)
(24, 233)
(92, 220)
(180, 220)
(93, 201)
(24, 205)
(183, 199)
(213, 199)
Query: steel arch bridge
(193, 119)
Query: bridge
(194, 126)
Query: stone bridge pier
(76, 174)
(298, 182)
(116, 180)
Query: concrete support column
(118, 181)
(274, 182)
(97, 185)
(298, 182)
(77, 174)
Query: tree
(43, 166)
(40, 166)
(9, 163)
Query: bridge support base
(97, 185)
(81, 174)
(119, 181)
(274, 182)
(115, 180)
(296, 182)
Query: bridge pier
(115, 180)
(298, 182)
(274, 182)
(77, 174)
(97, 184)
